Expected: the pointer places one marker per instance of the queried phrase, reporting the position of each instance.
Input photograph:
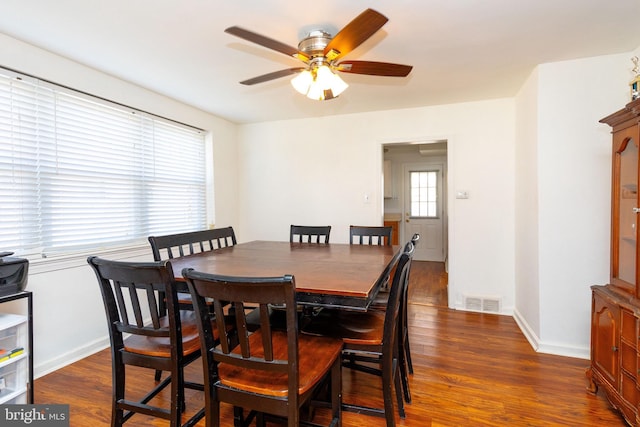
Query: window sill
(79, 259)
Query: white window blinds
(81, 173)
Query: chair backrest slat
(309, 234)
(239, 293)
(370, 235)
(132, 293)
(181, 244)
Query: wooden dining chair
(309, 234)
(370, 235)
(380, 304)
(408, 364)
(177, 245)
(155, 338)
(272, 371)
(169, 246)
(371, 341)
(173, 245)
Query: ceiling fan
(322, 54)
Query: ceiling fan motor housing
(313, 45)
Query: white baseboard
(70, 357)
(548, 348)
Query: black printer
(13, 273)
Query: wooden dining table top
(327, 275)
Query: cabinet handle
(614, 348)
(636, 210)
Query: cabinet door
(624, 215)
(388, 179)
(605, 339)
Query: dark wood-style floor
(471, 369)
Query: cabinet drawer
(629, 327)
(18, 399)
(13, 379)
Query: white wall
(527, 291)
(574, 191)
(69, 318)
(316, 171)
(563, 201)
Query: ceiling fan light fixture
(302, 81)
(324, 77)
(319, 83)
(316, 92)
(338, 85)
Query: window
(424, 194)
(78, 172)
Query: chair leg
(404, 376)
(387, 393)
(213, 414)
(117, 414)
(177, 398)
(399, 397)
(404, 350)
(405, 332)
(238, 418)
(407, 350)
(336, 393)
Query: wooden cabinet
(395, 236)
(615, 309)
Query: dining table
(333, 275)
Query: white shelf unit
(14, 368)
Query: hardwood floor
(471, 369)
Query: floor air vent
(483, 304)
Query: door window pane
(424, 194)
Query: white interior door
(424, 209)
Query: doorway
(421, 207)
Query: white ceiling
(461, 50)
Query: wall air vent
(482, 304)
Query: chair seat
(316, 355)
(161, 346)
(352, 327)
(184, 298)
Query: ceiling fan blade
(271, 76)
(373, 68)
(355, 33)
(267, 42)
